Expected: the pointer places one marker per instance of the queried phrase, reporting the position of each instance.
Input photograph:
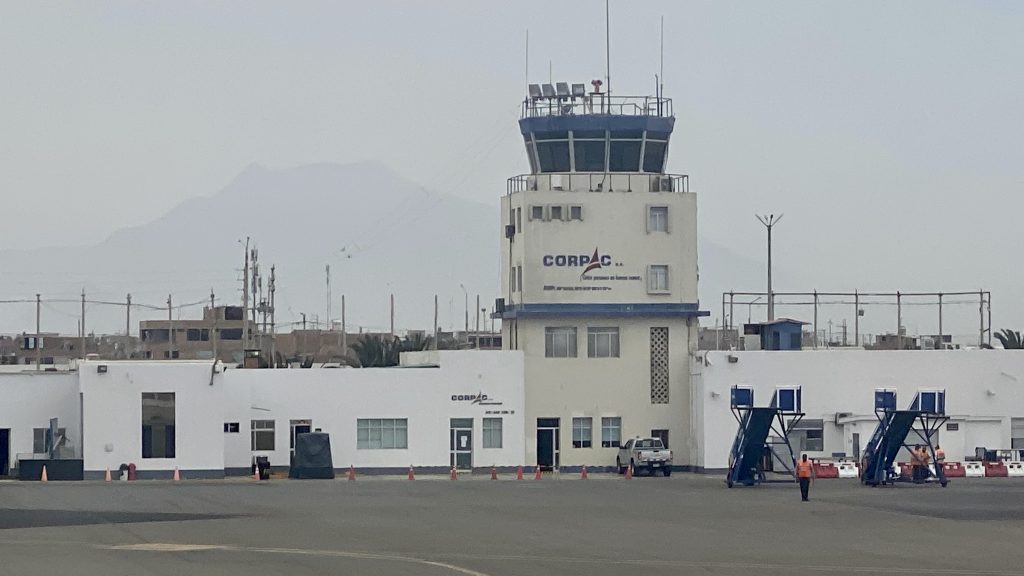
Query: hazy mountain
(378, 232)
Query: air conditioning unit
(101, 369)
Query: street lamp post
(465, 296)
(769, 222)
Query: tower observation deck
(577, 134)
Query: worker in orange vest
(940, 455)
(804, 473)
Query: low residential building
(219, 333)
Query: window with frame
(197, 334)
(519, 219)
(39, 439)
(536, 212)
(492, 432)
(519, 277)
(231, 428)
(556, 212)
(611, 432)
(576, 213)
(1016, 433)
(382, 434)
(657, 219)
(657, 278)
(812, 435)
(603, 342)
(158, 425)
(582, 432)
(262, 435)
(560, 342)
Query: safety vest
(804, 468)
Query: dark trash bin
(262, 464)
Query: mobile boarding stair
(895, 427)
(753, 445)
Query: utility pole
(128, 317)
(39, 346)
(436, 332)
(213, 333)
(477, 327)
(465, 296)
(941, 339)
(330, 323)
(253, 288)
(769, 222)
(83, 324)
(392, 315)
(170, 330)
(344, 329)
(245, 298)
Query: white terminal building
(599, 324)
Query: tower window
(556, 212)
(575, 212)
(657, 279)
(536, 212)
(654, 156)
(560, 342)
(657, 219)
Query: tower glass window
(654, 156)
(589, 155)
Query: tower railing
(597, 103)
(600, 182)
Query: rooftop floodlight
(535, 92)
(549, 91)
(563, 89)
(579, 90)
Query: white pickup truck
(647, 453)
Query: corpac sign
(478, 398)
(594, 262)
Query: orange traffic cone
(256, 473)
(519, 473)
(494, 473)
(107, 478)
(455, 475)
(583, 474)
(43, 478)
(177, 475)
(351, 472)
(411, 475)
(629, 472)
(536, 473)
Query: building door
(5, 452)
(856, 446)
(663, 434)
(461, 435)
(547, 443)
(298, 427)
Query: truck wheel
(619, 466)
(667, 471)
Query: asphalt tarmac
(686, 524)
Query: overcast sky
(890, 134)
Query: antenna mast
(527, 67)
(607, 48)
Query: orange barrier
(953, 470)
(906, 470)
(826, 470)
(995, 470)
(519, 473)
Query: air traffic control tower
(599, 276)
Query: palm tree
(1010, 339)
